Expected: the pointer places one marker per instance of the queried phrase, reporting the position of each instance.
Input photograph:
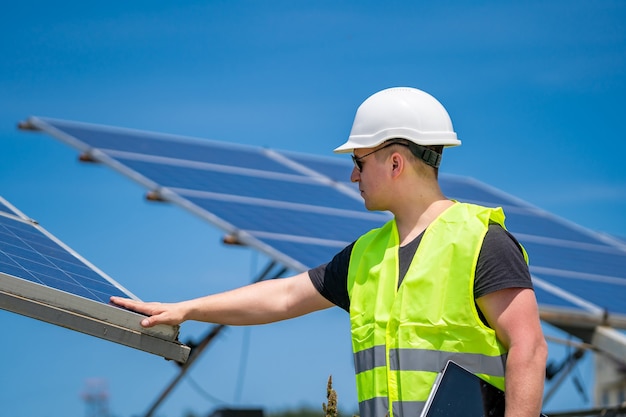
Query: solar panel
(42, 278)
(301, 209)
(5, 207)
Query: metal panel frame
(90, 317)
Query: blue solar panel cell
(540, 224)
(549, 298)
(8, 265)
(463, 189)
(163, 146)
(6, 209)
(596, 261)
(298, 190)
(26, 253)
(316, 225)
(336, 169)
(311, 255)
(592, 291)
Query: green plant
(330, 408)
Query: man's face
(371, 176)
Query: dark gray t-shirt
(500, 265)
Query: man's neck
(413, 222)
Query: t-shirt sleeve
(501, 264)
(331, 279)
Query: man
(442, 280)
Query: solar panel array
(42, 278)
(301, 209)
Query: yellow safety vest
(403, 336)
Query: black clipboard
(457, 392)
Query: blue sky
(536, 91)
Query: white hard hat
(400, 112)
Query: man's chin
(371, 207)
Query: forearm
(258, 303)
(525, 375)
(263, 302)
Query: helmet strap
(429, 156)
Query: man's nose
(356, 175)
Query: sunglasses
(358, 160)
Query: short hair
(428, 156)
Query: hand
(160, 313)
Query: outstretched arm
(514, 315)
(259, 303)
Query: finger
(153, 320)
(124, 302)
(134, 305)
(147, 322)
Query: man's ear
(397, 164)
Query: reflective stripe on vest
(380, 407)
(402, 336)
(427, 360)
